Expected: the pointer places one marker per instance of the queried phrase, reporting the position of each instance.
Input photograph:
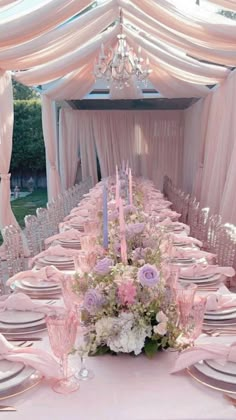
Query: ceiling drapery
(188, 48)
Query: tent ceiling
(55, 44)
(136, 104)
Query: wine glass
(196, 317)
(62, 329)
(185, 297)
(85, 261)
(84, 346)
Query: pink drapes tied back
(50, 140)
(6, 129)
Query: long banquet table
(125, 388)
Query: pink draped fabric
(60, 41)
(193, 22)
(150, 26)
(68, 147)
(4, 3)
(177, 63)
(152, 141)
(50, 140)
(63, 65)
(6, 128)
(225, 4)
(23, 27)
(212, 169)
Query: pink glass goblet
(87, 242)
(72, 300)
(91, 226)
(185, 296)
(62, 329)
(85, 261)
(196, 317)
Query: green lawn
(28, 205)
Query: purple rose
(113, 216)
(134, 229)
(148, 275)
(140, 253)
(103, 266)
(129, 209)
(92, 301)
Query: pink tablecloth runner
(126, 388)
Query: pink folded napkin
(75, 218)
(205, 270)
(49, 273)
(220, 352)
(168, 222)
(56, 250)
(30, 356)
(22, 302)
(70, 234)
(173, 215)
(216, 302)
(185, 239)
(192, 253)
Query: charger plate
(26, 380)
(10, 369)
(211, 383)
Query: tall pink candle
(123, 244)
(117, 188)
(130, 188)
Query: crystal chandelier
(121, 64)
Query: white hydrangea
(130, 337)
(103, 328)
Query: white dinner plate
(214, 374)
(58, 259)
(33, 284)
(16, 380)
(221, 311)
(9, 369)
(209, 280)
(22, 331)
(203, 277)
(229, 368)
(220, 317)
(30, 291)
(20, 317)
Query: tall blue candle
(105, 217)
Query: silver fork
(7, 408)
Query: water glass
(84, 346)
(185, 297)
(85, 261)
(62, 329)
(196, 317)
(87, 242)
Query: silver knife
(7, 408)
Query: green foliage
(28, 153)
(21, 92)
(150, 348)
(228, 14)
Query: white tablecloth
(125, 388)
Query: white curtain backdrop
(210, 150)
(152, 142)
(50, 141)
(6, 129)
(68, 147)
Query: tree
(28, 152)
(21, 92)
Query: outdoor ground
(28, 205)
